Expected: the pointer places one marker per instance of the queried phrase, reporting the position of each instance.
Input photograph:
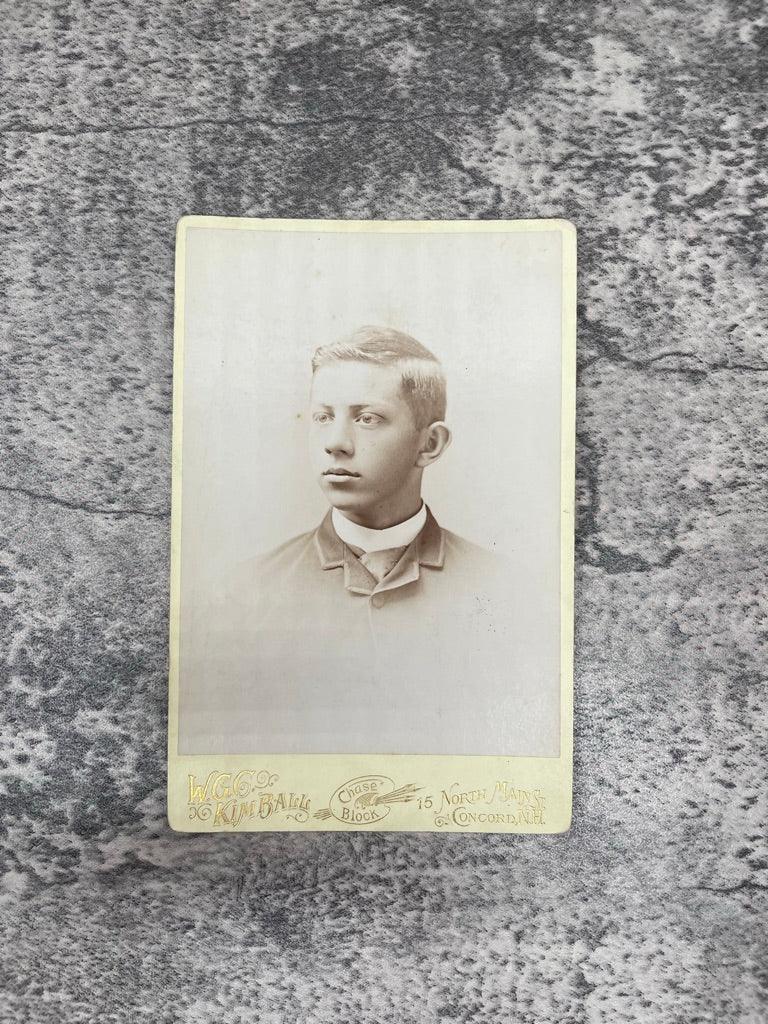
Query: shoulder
(284, 560)
(288, 553)
(459, 550)
(474, 569)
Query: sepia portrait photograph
(369, 531)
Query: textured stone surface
(642, 122)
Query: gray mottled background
(643, 123)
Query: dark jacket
(321, 657)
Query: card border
(467, 793)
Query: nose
(339, 439)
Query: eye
(321, 417)
(369, 419)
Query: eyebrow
(355, 408)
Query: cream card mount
(371, 623)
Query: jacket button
(377, 601)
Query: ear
(434, 440)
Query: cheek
(392, 456)
(314, 445)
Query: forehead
(356, 383)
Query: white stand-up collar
(368, 540)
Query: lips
(339, 472)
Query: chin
(351, 505)
(345, 504)
(338, 499)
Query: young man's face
(364, 442)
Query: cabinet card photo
(372, 528)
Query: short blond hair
(421, 376)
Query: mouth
(337, 474)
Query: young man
(377, 411)
(379, 631)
